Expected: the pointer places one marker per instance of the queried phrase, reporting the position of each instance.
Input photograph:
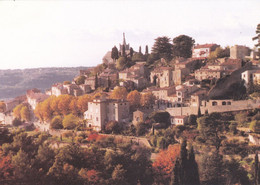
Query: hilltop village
(127, 86)
(180, 93)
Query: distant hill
(15, 82)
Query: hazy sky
(79, 33)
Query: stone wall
(6, 118)
(235, 106)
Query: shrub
(56, 123)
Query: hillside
(15, 82)
(231, 86)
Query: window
(96, 118)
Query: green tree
(80, 80)
(140, 50)
(131, 52)
(22, 171)
(212, 169)
(146, 50)
(241, 118)
(255, 126)
(70, 121)
(56, 123)
(257, 37)
(182, 46)
(113, 127)
(114, 53)
(118, 175)
(25, 113)
(120, 64)
(162, 48)
(211, 129)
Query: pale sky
(78, 33)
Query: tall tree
(131, 52)
(256, 169)
(140, 49)
(146, 50)
(162, 48)
(192, 169)
(114, 53)
(182, 46)
(257, 37)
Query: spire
(124, 42)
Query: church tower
(127, 46)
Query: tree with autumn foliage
(25, 113)
(2, 106)
(82, 103)
(134, 98)
(164, 163)
(119, 93)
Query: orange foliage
(6, 168)
(165, 161)
(96, 137)
(92, 176)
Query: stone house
(108, 78)
(102, 110)
(239, 52)
(162, 77)
(11, 104)
(251, 75)
(203, 51)
(183, 92)
(58, 89)
(206, 73)
(137, 74)
(34, 97)
(141, 115)
(92, 82)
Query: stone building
(141, 116)
(162, 77)
(108, 78)
(137, 74)
(127, 46)
(239, 52)
(102, 110)
(203, 51)
(34, 97)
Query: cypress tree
(140, 49)
(256, 169)
(146, 50)
(192, 169)
(176, 173)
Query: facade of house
(136, 74)
(34, 97)
(162, 77)
(203, 51)
(140, 116)
(108, 78)
(102, 110)
(179, 120)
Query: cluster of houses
(177, 89)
